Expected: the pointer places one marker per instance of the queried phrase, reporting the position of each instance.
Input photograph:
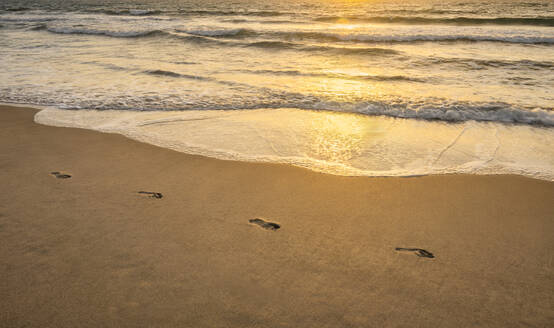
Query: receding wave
(266, 136)
(533, 21)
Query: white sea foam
(336, 143)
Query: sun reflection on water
(338, 138)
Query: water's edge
(333, 143)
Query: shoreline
(91, 251)
(337, 143)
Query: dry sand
(90, 251)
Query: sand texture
(232, 244)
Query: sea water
(376, 88)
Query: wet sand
(91, 251)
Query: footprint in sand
(418, 251)
(157, 195)
(60, 175)
(265, 224)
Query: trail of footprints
(267, 225)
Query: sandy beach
(90, 251)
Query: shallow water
(331, 142)
(442, 66)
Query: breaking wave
(503, 113)
(271, 38)
(429, 110)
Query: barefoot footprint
(157, 195)
(265, 224)
(418, 251)
(60, 175)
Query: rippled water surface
(446, 61)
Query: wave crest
(131, 12)
(238, 32)
(118, 34)
(411, 20)
(503, 113)
(231, 13)
(174, 74)
(382, 78)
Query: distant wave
(274, 45)
(284, 45)
(337, 75)
(38, 27)
(211, 36)
(27, 19)
(264, 21)
(533, 21)
(235, 20)
(231, 13)
(118, 34)
(471, 63)
(132, 12)
(333, 37)
(242, 33)
(239, 32)
(301, 36)
(174, 74)
(357, 37)
(16, 9)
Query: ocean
(371, 88)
